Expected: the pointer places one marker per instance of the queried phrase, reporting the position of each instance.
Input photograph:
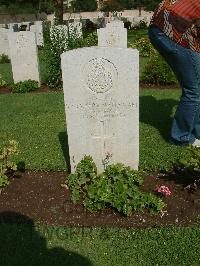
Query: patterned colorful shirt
(179, 20)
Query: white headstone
(24, 56)
(38, 29)
(113, 35)
(101, 92)
(2, 25)
(4, 45)
(115, 24)
(137, 20)
(13, 27)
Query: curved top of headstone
(113, 35)
(115, 23)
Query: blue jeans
(185, 63)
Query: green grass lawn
(6, 72)
(136, 34)
(26, 245)
(143, 62)
(37, 122)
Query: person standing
(175, 32)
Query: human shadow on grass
(63, 139)
(157, 113)
(21, 244)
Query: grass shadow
(157, 113)
(182, 178)
(22, 244)
(63, 139)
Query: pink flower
(163, 190)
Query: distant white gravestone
(38, 29)
(101, 92)
(4, 46)
(113, 35)
(24, 56)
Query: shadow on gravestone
(158, 113)
(21, 244)
(63, 139)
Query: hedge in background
(158, 72)
(25, 86)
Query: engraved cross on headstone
(103, 137)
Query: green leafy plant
(58, 39)
(192, 163)
(85, 171)
(24, 86)
(4, 59)
(157, 71)
(84, 6)
(118, 186)
(144, 46)
(6, 165)
(2, 82)
(190, 168)
(91, 39)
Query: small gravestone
(13, 27)
(24, 56)
(38, 29)
(115, 24)
(4, 45)
(101, 92)
(113, 35)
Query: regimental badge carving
(100, 75)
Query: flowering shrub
(57, 44)
(163, 190)
(157, 71)
(144, 46)
(57, 40)
(91, 40)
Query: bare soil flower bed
(41, 196)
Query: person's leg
(186, 65)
